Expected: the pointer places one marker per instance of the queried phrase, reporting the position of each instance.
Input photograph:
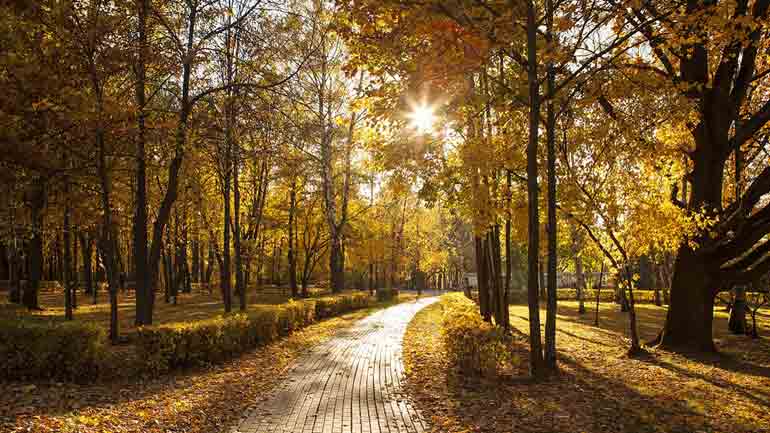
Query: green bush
(329, 306)
(47, 349)
(386, 294)
(606, 295)
(474, 346)
(164, 347)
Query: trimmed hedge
(329, 306)
(79, 351)
(166, 347)
(473, 346)
(607, 295)
(32, 349)
(386, 294)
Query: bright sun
(422, 118)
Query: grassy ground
(190, 306)
(193, 401)
(598, 389)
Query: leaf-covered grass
(197, 305)
(204, 400)
(598, 389)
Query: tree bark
(692, 302)
(35, 245)
(737, 322)
(143, 286)
(291, 250)
(535, 345)
(550, 131)
(67, 268)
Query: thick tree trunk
(691, 311)
(337, 276)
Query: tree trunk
(535, 344)
(291, 253)
(74, 270)
(87, 250)
(541, 277)
(580, 282)
(599, 293)
(143, 285)
(35, 254)
(737, 322)
(481, 278)
(239, 285)
(635, 346)
(691, 311)
(67, 268)
(337, 277)
(508, 263)
(224, 273)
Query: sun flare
(422, 118)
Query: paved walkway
(349, 384)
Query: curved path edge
(349, 384)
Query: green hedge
(47, 349)
(329, 306)
(165, 347)
(607, 295)
(386, 294)
(78, 351)
(473, 346)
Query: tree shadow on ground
(578, 399)
(758, 396)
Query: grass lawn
(598, 389)
(190, 306)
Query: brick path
(349, 384)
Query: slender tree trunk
(143, 286)
(225, 271)
(35, 245)
(174, 169)
(599, 293)
(635, 346)
(535, 344)
(508, 264)
(481, 278)
(67, 268)
(109, 231)
(291, 253)
(239, 285)
(737, 322)
(74, 270)
(550, 130)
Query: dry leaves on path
(195, 401)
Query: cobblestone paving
(349, 384)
